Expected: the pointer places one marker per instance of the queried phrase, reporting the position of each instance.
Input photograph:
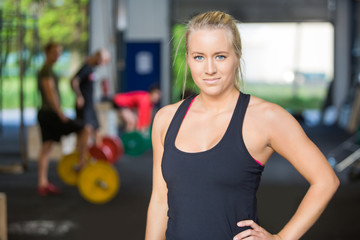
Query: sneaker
(49, 189)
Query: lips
(211, 80)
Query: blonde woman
(210, 150)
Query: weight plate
(116, 147)
(101, 152)
(134, 143)
(148, 138)
(98, 182)
(66, 168)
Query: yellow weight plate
(98, 182)
(66, 168)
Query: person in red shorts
(135, 108)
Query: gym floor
(68, 216)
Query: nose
(210, 66)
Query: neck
(49, 63)
(218, 103)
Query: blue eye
(220, 57)
(199, 58)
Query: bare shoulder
(163, 118)
(267, 111)
(273, 120)
(166, 112)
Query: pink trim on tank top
(189, 107)
(258, 162)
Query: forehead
(215, 39)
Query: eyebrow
(216, 53)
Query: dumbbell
(136, 143)
(98, 182)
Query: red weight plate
(102, 152)
(116, 147)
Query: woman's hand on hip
(256, 232)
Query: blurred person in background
(135, 108)
(83, 85)
(53, 122)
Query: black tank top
(210, 191)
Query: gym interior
(301, 54)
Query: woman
(210, 150)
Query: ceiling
(257, 10)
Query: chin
(212, 91)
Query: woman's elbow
(332, 183)
(328, 184)
(336, 183)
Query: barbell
(98, 182)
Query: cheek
(231, 68)
(195, 68)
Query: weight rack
(346, 155)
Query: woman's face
(212, 60)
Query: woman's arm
(158, 207)
(289, 140)
(286, 137)
(75, 85)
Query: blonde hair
(217, 20)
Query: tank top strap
(239, 113)
(177, 120)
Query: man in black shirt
(53, 122)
